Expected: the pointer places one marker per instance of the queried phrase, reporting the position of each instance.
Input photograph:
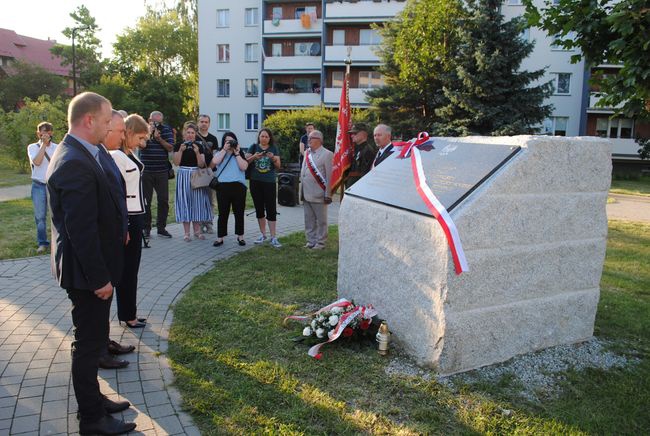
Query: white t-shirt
(39, 171)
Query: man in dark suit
(383, 137)
(88, 232)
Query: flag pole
(348, 63)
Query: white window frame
(375, 37)
(251, 17)
(373, 76)
(251, 51)
(617, 124)
(340, 32)
(550, 126)
(223, 18)
(337, 79)
(276, 49)
(223, 121)
(255, 85)
(226, 53)
(556, 81)
(252, 122)
(223, 85)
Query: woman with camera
(136, 134)
(265, 158)
(192, 205)
(231, 188)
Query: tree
(488, 95)
(18, 129)
(417, 53)
(28, 81)
(613, 32)
(87, 48)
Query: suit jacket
(87, 219)
(387, 152)
(310, 190)
(132, 179)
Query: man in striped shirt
(155, 157)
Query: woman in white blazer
(137, 132)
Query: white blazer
(133, 179)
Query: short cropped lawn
(240, 372)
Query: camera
(156, 126)
(232, 143)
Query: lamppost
(74, 60)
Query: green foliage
(28, 81)
(87, 48)
(289, 126)
(488, 94)
(18, 129)
(605, 32)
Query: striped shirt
(154, 156)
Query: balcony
(364, 54)
(286, 27)
(370, 11)
(624, 149)
(594, 98)
(283, 63)
(357, 96)
(284, 99)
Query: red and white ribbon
(314, 171)
(342, 302)
(345, 320)
(433, 204)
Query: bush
(289, 126)
(18, 129)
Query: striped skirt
(191, 204)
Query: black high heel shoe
(138, 324)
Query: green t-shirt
(263, 168)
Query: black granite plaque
(452, 169)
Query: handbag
(170, 171)
(214, 183)
(201, 178)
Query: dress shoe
(109, 362)
(106, 425)
(135, 325)
(115, 348)
(217, 243)
(241, 242)
(164, 233)
(112, 406)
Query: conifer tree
(489, 94)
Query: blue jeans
(39, 198)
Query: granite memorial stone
(530, 212)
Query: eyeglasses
(314, 137)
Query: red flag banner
(343, 151)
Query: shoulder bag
(201, 178)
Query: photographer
(213, 144)
(192, 205)
(231, 171)
(155, 157)
(265, 158)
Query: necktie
(377, 158)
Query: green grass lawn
(18, 229)
(9, 175)
(240, 372)
(631, 187)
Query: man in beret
(364, 154)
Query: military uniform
(364, 155)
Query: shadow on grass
(240, 372)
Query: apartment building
(260, 56)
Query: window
(223, 52)
(252, 88)
(223, 17)
(223, 121)
(309, 10)
(223, 88)
(370, 79)
(306, 49)
(338, 37)
(555, 126)
(369, 37)
(562, 83)
(514, 2)
(614, 128)
(276, 49)
(251, 121)
(251, 53)
(251, 17)
(302, 85)
(337, 79)
(277, 13)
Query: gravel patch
(535, 375)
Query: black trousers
(156, 182)
(231, 194)
(126, 291)
(90, 317)
(264, 198)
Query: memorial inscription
(453, 171)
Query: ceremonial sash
(311, 165)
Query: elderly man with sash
(315, 192)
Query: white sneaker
(276, 243)
(260, 240)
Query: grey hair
(155, 113)
(317, 133)
(385, 127)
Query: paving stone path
(36, 395)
